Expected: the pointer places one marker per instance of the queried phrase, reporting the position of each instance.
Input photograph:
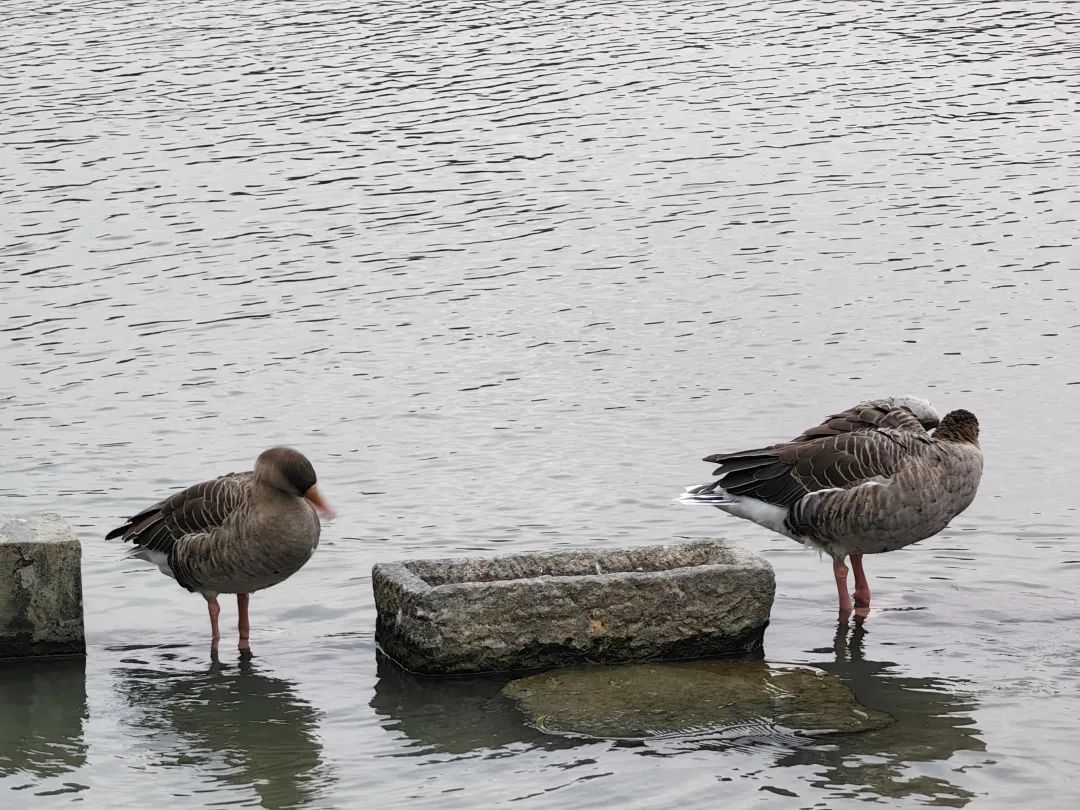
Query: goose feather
(232, 534)
(866, 480)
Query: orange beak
(319, 502)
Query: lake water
(505, 271)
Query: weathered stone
(725, 699)
(533, 611)
(41, 610)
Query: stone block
(532, 611)
(41, 609)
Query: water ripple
(532, 260)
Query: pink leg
(840, 571)
(862, 586)
(215, 611)
(242, 600)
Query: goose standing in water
(868, 480)
(238, 533)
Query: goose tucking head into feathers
(866, 480)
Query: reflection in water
(933, 722)
(454, 715)
(236, 725)
(42, 711)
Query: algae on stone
(728, 698)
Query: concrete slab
(41, 609)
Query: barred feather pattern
(784, 473)
(229, 535)
(867, 480)
(932, 483)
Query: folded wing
(864, 443)
(195, 510)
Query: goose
(867, 480)
(239, 533)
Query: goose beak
(320, 503)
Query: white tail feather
(764, 514)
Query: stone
(542, 610)
(721, 699)
(41, 608)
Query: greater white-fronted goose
(868, 480)
(238, 533)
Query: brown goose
(868, 480)
(238, 533)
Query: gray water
(505, 271)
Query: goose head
(289, 471)
(958, 426)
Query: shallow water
(506, 271)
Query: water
(506, 271)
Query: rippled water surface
(506, 271)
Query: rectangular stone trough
(41, 609)
(531, 611)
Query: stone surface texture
(534, 611)
(41, 608)
(723, 699)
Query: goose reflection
(933, 722)
(234, 724)
(43, 709)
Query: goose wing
(784, 473)
(896, 413)
(195, 510)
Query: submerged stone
(532, 611)
(726, 698)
